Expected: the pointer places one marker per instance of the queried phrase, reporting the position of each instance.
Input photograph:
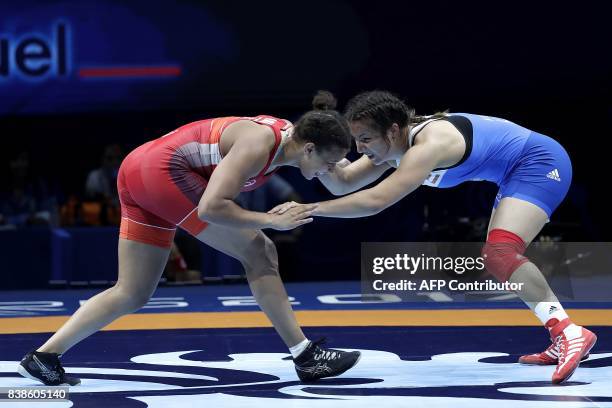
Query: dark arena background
(83, 83)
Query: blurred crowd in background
(31, 199)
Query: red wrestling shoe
(550, 356)
(573, 342)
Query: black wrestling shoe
(316, 362)
(46, 368)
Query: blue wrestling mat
(416, 363)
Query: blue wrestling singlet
(524, 164)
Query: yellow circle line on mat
(205, 320)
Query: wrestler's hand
(293, 217)
(281, 208)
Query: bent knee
(260, 253)
(503, 254)
(130, 301)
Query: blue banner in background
(62, 57)
(67, 56)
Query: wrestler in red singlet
(169, 182)
(161, 182)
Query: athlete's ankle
(48, 351)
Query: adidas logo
(554, 175)
(552, 309)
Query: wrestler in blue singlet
(524, 164)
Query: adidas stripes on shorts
(542, 176)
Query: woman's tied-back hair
(381, 109)
(324, 126)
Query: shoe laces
(324, 354)
(561, 346)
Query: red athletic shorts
(161, 182)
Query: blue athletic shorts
(542, 175)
